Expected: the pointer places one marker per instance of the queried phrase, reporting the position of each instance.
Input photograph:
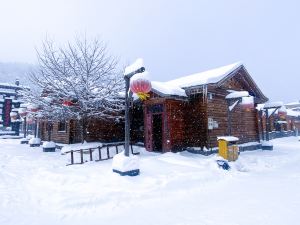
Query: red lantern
(67, 103)
(247, 103)
(141, 87)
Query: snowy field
(263, 188)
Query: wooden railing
(101, 153)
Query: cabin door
(157, 132)
(148, 131)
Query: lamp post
(127, 98)
(124, 164)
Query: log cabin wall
(56, 135)
(174, 126)
(244, 123)
(195, 117)
(97, 130)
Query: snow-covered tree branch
(79, 81)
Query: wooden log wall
(174, 124)
(244, 124)
(56, 136)
(195, 116)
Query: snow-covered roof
(176, 87)
(292, 105)
(228, 138)
(237, 94)
(166, 89)
(281, 122)
(7, 91)
(269, 105)
(291, 112)
(206, 77)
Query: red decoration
(67, 103)
(141, 87)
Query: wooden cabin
(283, 122)
(68, 132)
(192, 111)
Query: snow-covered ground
(262, 188)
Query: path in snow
(262, 188)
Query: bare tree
(79, 81)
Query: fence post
(72, 157)
(91, 154)
(99, 149)
(81, 156)
(131, 149)
(107, 149)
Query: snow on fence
(104, 152)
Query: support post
(261, 124)
(267, 125)
(229, 119)
(25, 126)
(127, 122)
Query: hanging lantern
(247, 103)
(282, 113)
(67, 103)
(13, 116)
(141, 87)
(70, 102)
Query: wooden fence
(100, 153)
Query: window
(210, 96)
(62, 126)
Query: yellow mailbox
(228, 148)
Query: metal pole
(127, 122)
(25, 128)
(229, 121)
(267, 125)
(261, 124)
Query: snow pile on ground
(49, 144)
(173, 188)
(34, 141)
(123, 163)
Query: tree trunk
(83, 129)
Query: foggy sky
(175, 38)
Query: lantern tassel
(143, 96)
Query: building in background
(9, 102)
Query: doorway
(157, 132)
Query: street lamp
(127, 99)
(122, 163)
